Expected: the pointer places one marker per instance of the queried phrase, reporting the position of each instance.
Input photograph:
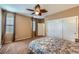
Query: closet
(63, 28)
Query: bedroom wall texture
(66, 13)
(23, 27)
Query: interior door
(41, 29)
(9, 28)
(70, 28)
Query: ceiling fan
(37, 10)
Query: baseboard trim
(22, 39)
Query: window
(9, 23)
(9, 28)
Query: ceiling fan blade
(43, 10)
(32, 13)
(30, 9)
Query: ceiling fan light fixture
(37, 13)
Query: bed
(48, 45)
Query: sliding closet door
(70, 28)
(50, 30)
(9, 27)
(54, 28)
(58, 28)
(64, 28)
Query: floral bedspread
(48, 45)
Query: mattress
(48, 45)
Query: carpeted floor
(19, 47)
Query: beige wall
(67, 13)
(23, 27)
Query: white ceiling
(52, 8)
